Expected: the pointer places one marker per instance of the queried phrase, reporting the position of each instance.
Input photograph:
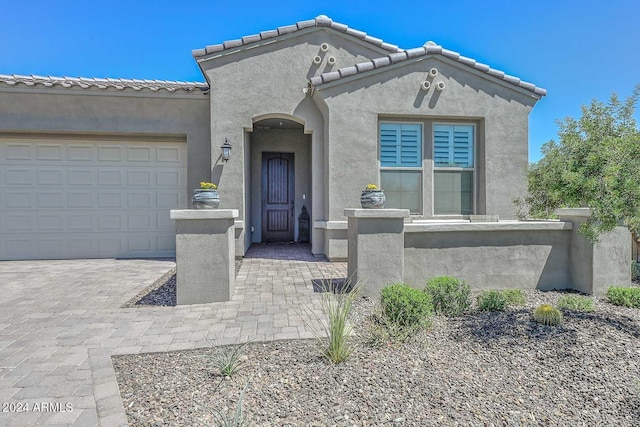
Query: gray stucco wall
(526, 259)
(268, 80)
(114, 113)
(356, 106)
(285, 141)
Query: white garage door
(89, 198)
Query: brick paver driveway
(61, 320)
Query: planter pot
(372, 199)
(205, 199)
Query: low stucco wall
(490, 256)
(540, 255)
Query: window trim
(420, 168)
(435, 168)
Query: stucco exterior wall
(270, 80)
(355, 107)
(497, 259)
(82, 111)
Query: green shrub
(514, 296)
(576, 302)
(624, 296)
(491, 301)
(548, 315)
(450, 295)
(405, 306)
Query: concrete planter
(372, 199)
(205, 199)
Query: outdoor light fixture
(226, 150)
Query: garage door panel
(140, 221)
(49, 152)
(81, 199)
(17, 200)
(107, 177)
(81, 153)
(22, 222)
(82, 221)
(18, 177)
(52, 199)
(89, 199)
(50, 176)
(81, 176)
(17, 151)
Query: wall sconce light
(226, 150)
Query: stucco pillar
(205, 255)
(596, 267)
(375, 247)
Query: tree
(596, 164)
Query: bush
(491, 301)
(450, 296)
(514, 296)
(576, 302)
(405, 306)
(624, 296)
(548, 315)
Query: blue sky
(577, 50)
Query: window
(401, 165)
(454, 169)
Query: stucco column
(596, 267)
(205, 255)
(375, 247)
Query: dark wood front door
(277, 197)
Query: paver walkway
(60, 321)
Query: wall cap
(488, 226)
(330, 225)
(573, 212)
(203, 214)
(377, 213)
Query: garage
(64, 197)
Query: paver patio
(60, 321)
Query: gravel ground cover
(481, 369)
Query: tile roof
(106, 83)
(429, 48)
(319, 21)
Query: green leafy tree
(595, 164)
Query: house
(313, 111)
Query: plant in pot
(206, 197)
(372, 197)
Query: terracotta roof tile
(319, 21)
(103, 83)
(430, 48)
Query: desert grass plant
(491, 301)
(576, 303)
(335, 323)
(624, 296)
(547, 315)
(450, 295)
(225, 361)
(514, 296)
(237, 418)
